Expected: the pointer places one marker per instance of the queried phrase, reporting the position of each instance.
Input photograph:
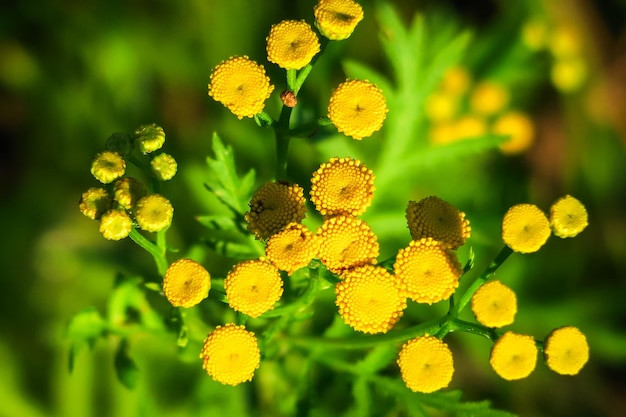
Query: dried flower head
(521, 131)
(115, 224)
(231, 354)
(357, 108)
(150, 138)
(289, 98)
(368, 299)
(163, 167)
(336, 19)
(494, 304)
(489, 98)
(525, 228)
(426, 364)
(436, 218)
(292, 44)
(253, 287)
(274, 206)
(513, 356)
(568, 217)
(566, 350)
(154, 213)
(342, 186)
(186, 283)
(241, 85)
(108, 166)
(95, 202)
(292, 248)
(128, 191)
(569, 74)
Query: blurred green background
(72, 73)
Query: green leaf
(217, 222)
(127, 371)
(362, 397)
(357, 70)
(235, 250)
(378, 358)
(84, 328)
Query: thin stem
(158, 253)
(455, 324)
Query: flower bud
(154, 213)
(121, 142)
(150, 137)
(95, 202)
(128, 191)
(108, 166)
(115, 224)
(163, 167)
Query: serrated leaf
(84, 328)
(233, 249)
(217, 222)
(125, 368)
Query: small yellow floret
(565, 41)
(231, 354)
(163, 167)
(468, 127)
(513, 356)
(441, 107)
(186, 283)
(154, 213)
(128, 191)
(292, 44)
(521, 131)
(150, 137)
(253, 287)
(436, 218)
(568, 217)
(569, 74)
(274, 206)
(525, 228)
(357, 108)
(535, 34)
(336, 19)
(115, 224)
(494, 304)
(292, 248)
(426, 364)
(489, 98)
(566, 350)
(108, 166)
(95, 202)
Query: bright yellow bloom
(525, 228)
(513, 356)
(253, 287)
(128, 191)
(441, 106)
(241, 85)
(566, 350)
(115, 224)
(154, 213)
(108, 166)
(468, 126)
(489, 98)
(95, 202)
(436, 218)
(569, 74)
(534, 34)
(342, 186)
(186, 283)
(427, 271)
(521, 131)
(565, 41)
(150, 138)
(336, 19)
(368, 299)
(357, 108)
(346, 242)
(456, 81)
(163, 167)
(426, 364)
(568, 217)
(274, 206)
(494, 304)
(442, 133)
(231, 354)
(292, 44)
(292, 248)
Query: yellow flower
(436, 218)
(186, 283)
(163, 167)
(128, 191)
(115, 224)
(489, 98)
(342, 186)
(426, 364)
(441, 106)
(241, 85)
(292, 44)
(521, 131)
(494, 304)
(154, 213)
(566, 350)
(108, 166)
(569, 74)
(513, 356)
(468, 126)
(253, 287)
(274, 206)
(568, 217)
(346, 242)
(150, 138)
(525, 228)
(336, 19)
(427, 271)
(456, 81)
(357, 108)
(292, 248)
(565, 41)
(368, 299)
(231, 354)
(95, 202)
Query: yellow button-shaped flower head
(241, 85)
(115, 224)
(150, 137)
(489, 98)
(253, 287)
(186, 283)
(357, 108)
(525, 228)
(520, 129)
(231, 354)
(368, 299)
(346, 242)
(566, 350)
(154, 213)
(427, 271)
(292, 248)
(342, 186)
(436, 218)
(95, 202)
(163, 166)
(494, 304)
(426, 364)
(274, 206)
(568, 217)
(456, 81)
(128, 191)
(108, 166)
(336, 19)
(292, 44)
(513, 356)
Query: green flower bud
(163, 167)
(150, 137)
(154, 213)
(107, 166)
(121, 142)
(94, 202)
(128, 191)
(115, 224)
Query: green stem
(455, 324)
(282, 143)
(157, 252)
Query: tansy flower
(568, 217)
(108, 166)
(368, 299)
(94, 202)
(274, 206)
(441, 107)
(163, 167)
(342, 186)
(513, 356)
(569, 74)
(346, 242)
(489, 98)
(121, 142)
(128, 191)
(230, 354)
(186, 283)
(534, 34)
(468, 126)
(115, 224)
(426, 364)
(253, 287)
(427, 271)
(566, 350)
(292, 44)
(292, 248)
(494, 304)
(525, 228)
(456, 81)
(154, 213)
(150, 138)
(436, 218)
(336, 19)
(357, 108)
(519, 127)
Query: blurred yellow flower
(535, 34)
(566, 350)
(292, 248)
(274, 206)
(128, 191)
(115, 224)
(565, 41)
(149, 137)
(456, 81)
(525, 228)
(95, 202)
(467, 127)
(186, 283)
(292, 44)
(521, 131)
(441, 106)
(488, 98)
(513, 356)
(336, 19)
(108, 166)
(426, 364)
(436, 218)
(494, 304)
(569, 74)
(154, 213)
(568, 217)
(253, 287)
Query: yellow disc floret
(494, 304)
(108, 166)
(253, 287)
(95, 202)
(426, 364)
(368, 299)
(274, 206)
(568, 217)
(292, 248)
(128, 191)
(357, 108)
(115, 224)
(566, 350)
(342, 186)
(513, 356)
(186, 283)
(436, 218)
(154, 213)
(292, 44)
(520, 129)
(336, 19)
(231, 354)
(525, 228)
